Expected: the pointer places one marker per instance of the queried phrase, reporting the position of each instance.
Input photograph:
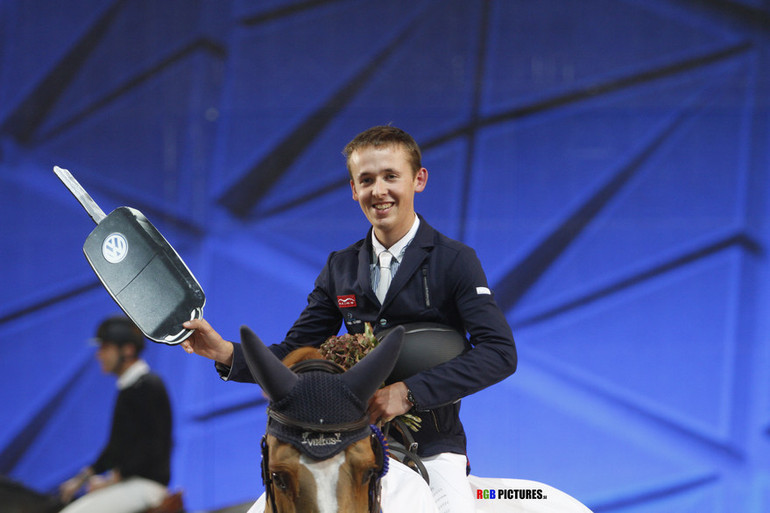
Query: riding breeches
(132, 495)
(449, 483)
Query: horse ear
(367, 375)
(274, 377)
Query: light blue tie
(385, 259)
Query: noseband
(377, 439)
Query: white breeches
(132, 495)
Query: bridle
(377, 439)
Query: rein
(377, 439)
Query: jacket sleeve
(319, 320)
(493, 355)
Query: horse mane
(302, 354)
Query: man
(424, 276)
(133, 470)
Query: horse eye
(280, 480)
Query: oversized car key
(140, 269)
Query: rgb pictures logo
(510, 493)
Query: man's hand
(206, 342)
(96, 482)
(388, 403)
(70, 487)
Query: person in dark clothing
(133, 470)
(403, 271)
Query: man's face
(109, 356)
(384, 185)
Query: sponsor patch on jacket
(483, 290)
(346, 301)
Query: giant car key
(140, 269)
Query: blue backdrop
(608, 159)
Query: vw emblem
(115, 248)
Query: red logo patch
(346, 301)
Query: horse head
(319, 453)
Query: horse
(319, 455)
(18, 498)
(319, 452)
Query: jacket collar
(415, 254)
(131, 375)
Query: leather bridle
(377, 439)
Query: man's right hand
(206, 342)
(71, 486)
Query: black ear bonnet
(314, 405)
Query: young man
(132, 472)
(423, 277)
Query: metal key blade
(77, 190)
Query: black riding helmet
(119, 330)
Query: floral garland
(348, 349)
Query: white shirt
(397, 250)
(138, 369)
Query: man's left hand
(97, 481)
(388, 403)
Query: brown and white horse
(320, 455)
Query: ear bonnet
(314, 406)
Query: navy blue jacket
(140, 436)
(439, 280)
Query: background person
(133, 471)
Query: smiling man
(402, 272)
(384, 182)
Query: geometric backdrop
(609, 160)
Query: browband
(320, 428)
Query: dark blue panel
(36, 34)
(540, 50)
(531, 175)
(141, 54)
(41, 228)
(689, 195)
(678, 328)
(139, 143)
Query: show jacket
(439, 280)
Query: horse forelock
(301, 354)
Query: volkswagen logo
(115, 248)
